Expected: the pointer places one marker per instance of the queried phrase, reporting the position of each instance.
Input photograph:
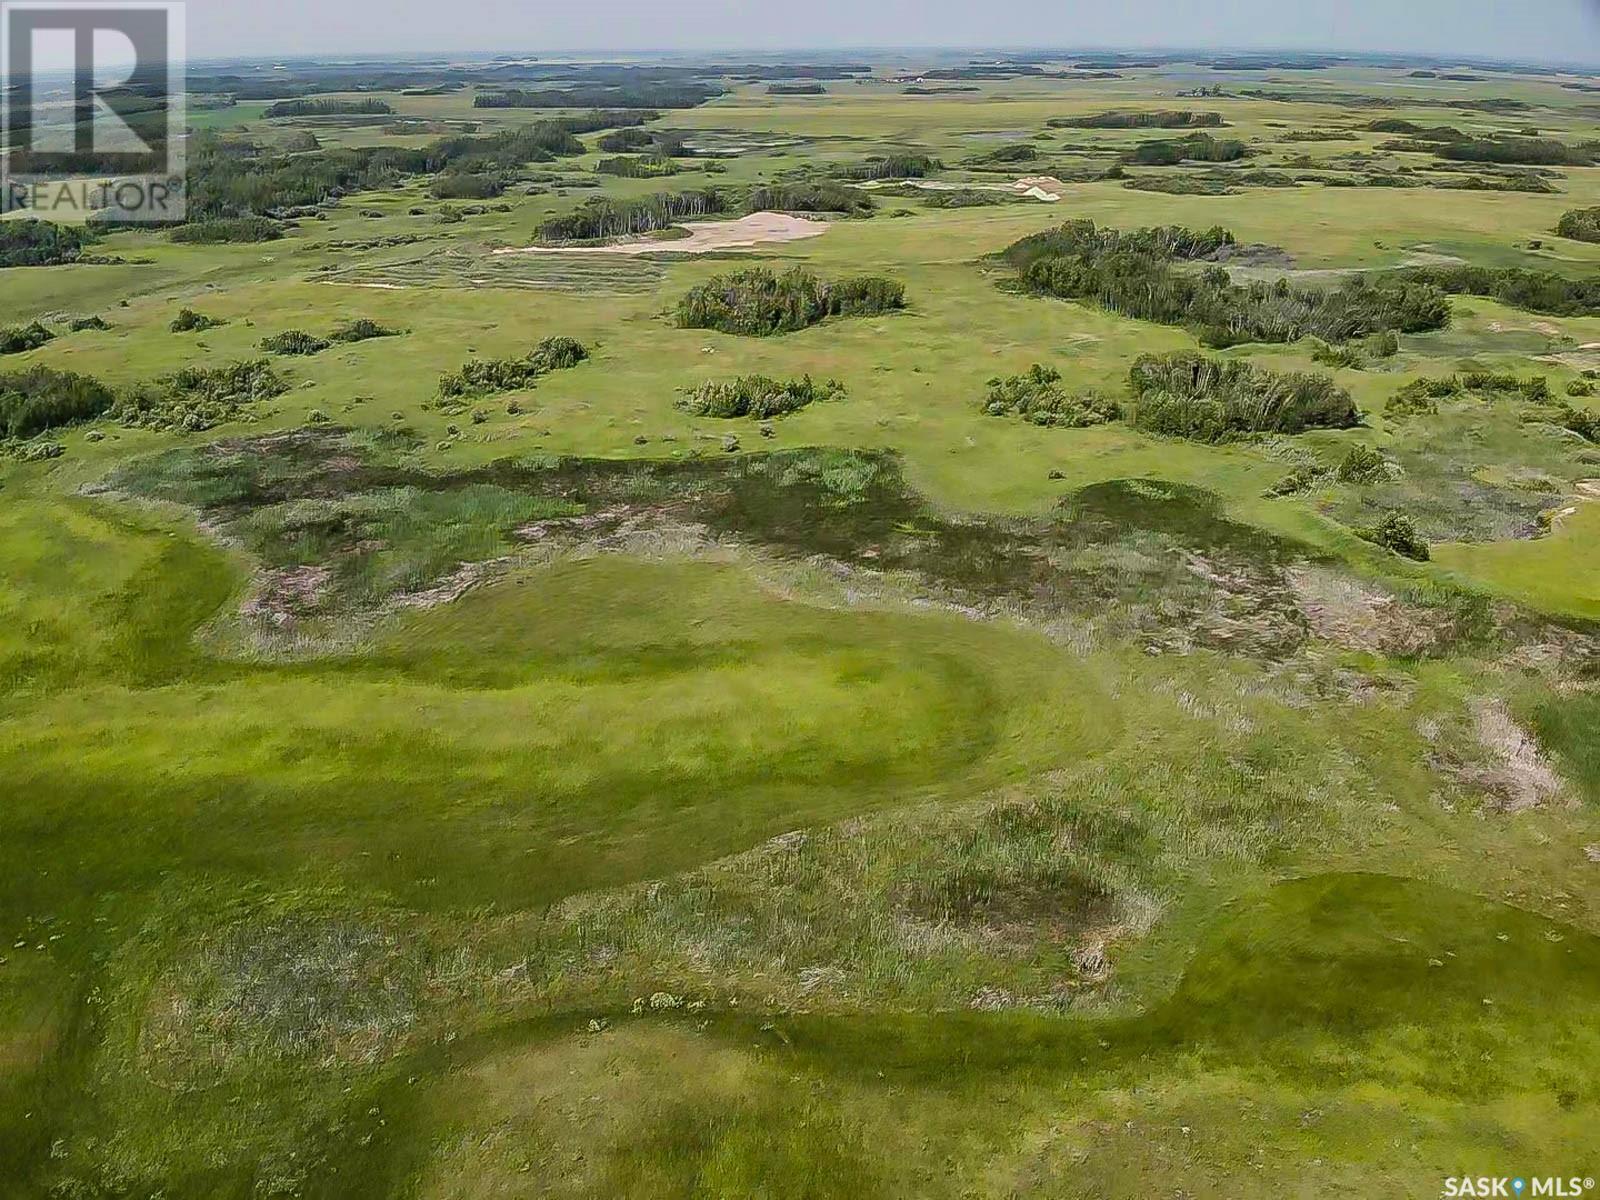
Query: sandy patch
(1521, 777)
(758, 229)
(1341, 610)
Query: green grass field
(556, 793)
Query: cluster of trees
(197, 398)
(1534, 291)
(605, 217)
(229, 179)
(33, 243)
(40, 399)
(757, 302)
(637, 166)
(1133, 274)
(1197, 147)
(757, 396)
(189, 321)
(814, 197)
(1526, 150)
(1157, 119)
(485, 376)
(231, 229)
(19, 339)
(329, 107)
(466, 185)
(1580, 224)
(686, 95)
(1037, 396)
(796, 89)
(1014, 152)
(633, 139)
(1191, 395)
(892, 166)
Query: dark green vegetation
(1037, 396)
(1197, 147)
(40, 399)
(757, 302)
(1580, 224)
(238, 229)
(190, 321)
(30, 243)
(1136, 275)
(198, 398)
(820, 196)
(327, 107)
(1535, 291)
(19, 339)
(1211, 399)
(294, 341)
(601, 217)
(484, 377)
(1159, 119)
(757, 396)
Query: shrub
(1536, 291)
(465, 185)
(821, 196)
(756, 302)
(197, 398)
(295, 341)
(1362, 464)
(643, 166)
(80, 324)
(40, 399)
(1210, 399)
(483, 377)
(757, 396)
(1396, 532)
(893, 166)
(237, 229)
(1580, 224)
(1197, 147)
(1580, 387)
(1338, 356)
(32, 243)
(360, 330)
(1037, 396)
(1132, 274)
(188, 321)
(21, 338)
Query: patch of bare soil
(757, 229)
(1513, 771)
(282, 596)
(1342, 610)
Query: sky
(1540, 30)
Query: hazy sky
(1555, 30)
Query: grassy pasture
(890, 800)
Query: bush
(1395, 532)
(187, 321)
(483, 377)
(1580, 387)
(1197, 147)
(1338, 356)
(1038, 397)
(295, 341)
(41, 399)
(1209, 399)
(1362, 464)
(1535, 291)
(757, 396)
(80, 324)
(21, 338)
(361, 330)
(464, 185)
(893, 166)
(237, 229)
(810, 197)
(1580, 224)
(1132, 274)
(644, 166)
(197, 398)
(31, 243)
(756, 302)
